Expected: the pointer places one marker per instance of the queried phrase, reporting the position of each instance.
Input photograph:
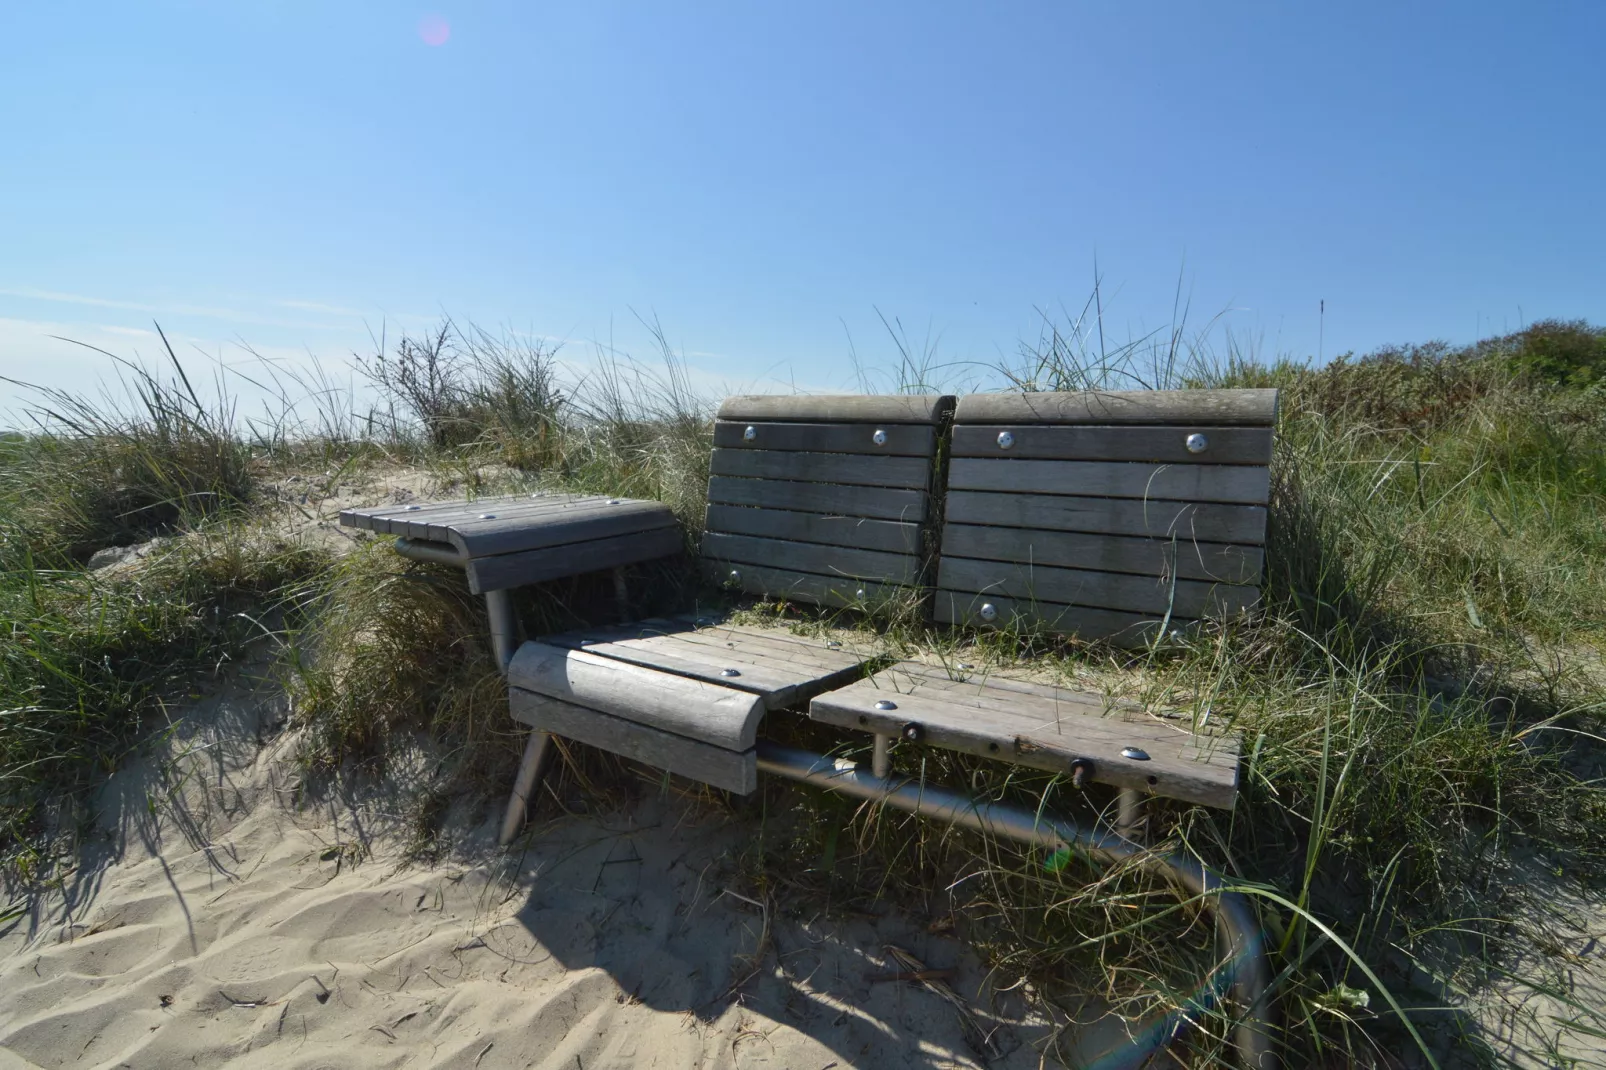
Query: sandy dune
(221, 926)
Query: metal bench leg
(1130, 818)
(529, 769)
(881, 757)
(504, 627)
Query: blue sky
(763, 178)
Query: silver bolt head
(835, 644)
(1137, 754)
(730, 672)
(988, 611)
(859, 594)
(616, 501)
(735, 576)
(487, 516)
(1197, 443)
(414, 508)
(879, 438)
(965, 666)
(1006, 439)
(750, 434)
(886, 704)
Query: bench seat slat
(1241, 408)
(1208, 522)
(735, 771)
(835, 530)
(811, 557)
(902, 440)
(803, 586)
(504, 571)
(1104, 590)
(847, 469)
(1046, 734)
(1227, 445)
(1240, 484)
(837, 408)
(1189, 560)
(876, 503)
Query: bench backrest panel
(1105, 514)
(824, 500)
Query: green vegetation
(1421, 698)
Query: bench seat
(681, 694)
(1033, 724)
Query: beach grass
(1421, 697)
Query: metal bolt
(487, 516)
(750, 434)
(859, 594)
(735, 576)
(616, 501)
(1137, 754)
(988, 611)
(730, 672)
(1197, 443)
(879, 438)
(1081, 772)
(965, 666)
(886, 704)
(1006, 439)
(914, 733)
(835, 644)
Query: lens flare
(434, 30)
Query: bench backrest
(1105, 514)
(826, 500)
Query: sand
(221, 920)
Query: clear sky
(764, 177)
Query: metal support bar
(535, 751)
(1129, 818)
(881, 757)
(504, 627)
(441, 553)
(1246, 969)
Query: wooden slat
(402, 520)
(804, 586)
(512, 533)
(1104, 590)
(1073, 442)
(850, 469)
(1105, 553)
(1252, 408)
(849, 643)
(810, 557)
(731, 770)
(1084, 622)
(552, 562)
(889, 535)
(902, 440)
(1240, 484)
(781, 682)
(844, 408)
(808, 659)
(1204, 522)
(876, 503)
(1047, 735)
(713, 713)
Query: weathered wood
(536, 566)
(808, 663)
(845, 408)
(1254, 408)
(888, 535)
(1204, 522)
(849, 469)
(805, 587)
(900, 440)
(1154, 595)
(1120, 628)
(780, 681)
(1083, 442)
(1240, 484)
(735, 771)
(1044, 734)
(876, 503)
(413, 520)
(846, 643)
(906, 675)
(810, 557)
(1106, 553)
(510, 534)
(712, 713)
